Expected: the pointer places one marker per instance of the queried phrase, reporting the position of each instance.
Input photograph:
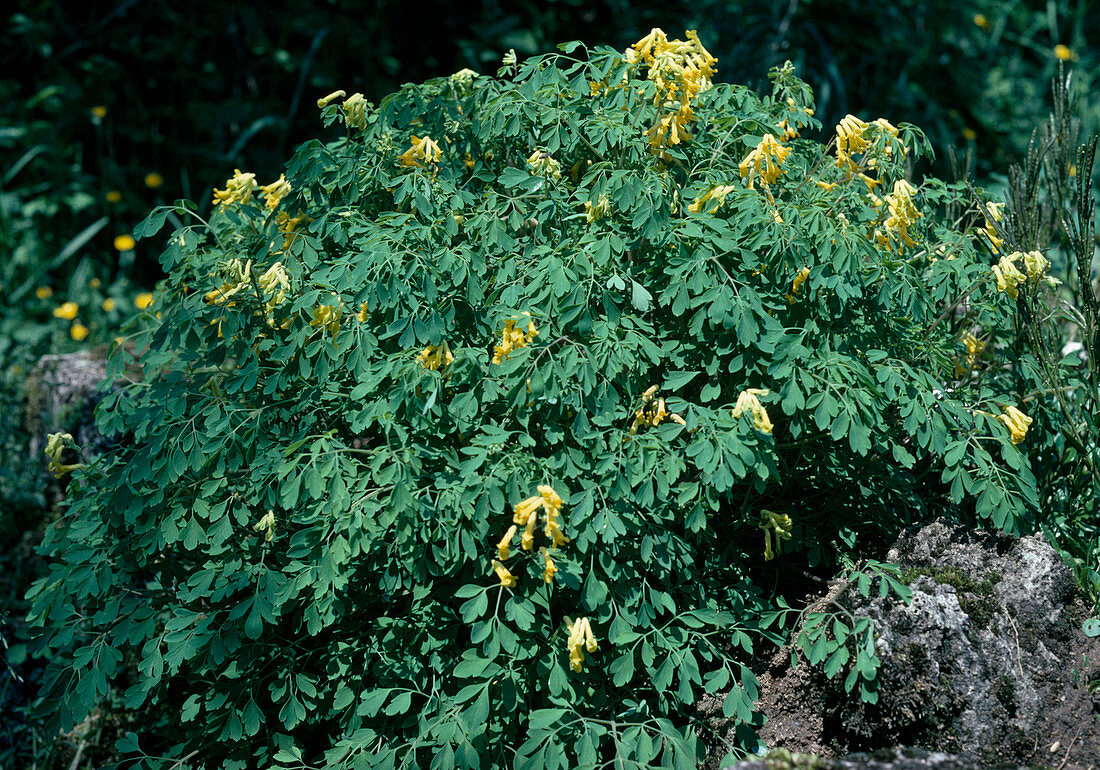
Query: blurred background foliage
(109, 108)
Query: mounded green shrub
(600, 299)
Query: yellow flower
(716, 194)
(238, 189)
(43, 292)
(108, 305)
(288, 226)
(266, 524)
(549, 569)
(543, 164)
(421, 151)
(436, 356)
(275, 192)
(974, 347)
(153, 180)
(580, 638)
(748, 401)
(513, 338)
(775, 525)
(1036, 265)
(1009, 278)
(969, 134)
(766, 160)
(95, 283)
(361, 316)
(596, 211)
(1017, 423)
(143, 300)
(327, 316)
(527, 539)
(981, 21)
(652, 412)
(506, 543)
(66, 310)
(78, 332)
(325, 100)
(55, 445)
(468, 161)
(522, 511)
(99, 112)
(993, 210)
(113, 196)
(850, 140)
(124, 242)
(796, 284)
(903, 213)
(506, 578)
(1063, 53)
(355, 111)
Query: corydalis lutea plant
(297, 558)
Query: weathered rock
(61, 394)
(988, 662)
(884, 759)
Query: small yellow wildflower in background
(1017, 423)
(974, 348)
(325, 100)
(55, 445)
(95, 283)
(775, 525)
(580, 638)
(99, 112)
(113, 196)
(766, 161)
(66, 310)
(1064, 53)
(748, 401)
(355, 111)
(266, 524)
(969, 134)
(512, 338)
(238, 189)
(124, 242)
(436, 357)
(543, 164)
(468, 161)
(78, 332)
(275, 192)
(593, 212)
(421, 151)
(143, 300)
(108, 305)
(43, 292)
(506, 578)
(981, 21)
(153, 180)
(716, 195)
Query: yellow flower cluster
(580, 638)
(852, 139)
(789, 131)
(716, 195)
(1010, 278)
(66, 310)
(238, 189)
(274, 283)
(266, 524)
(288, 226)
(653, 412)
(143, 300)
(435, 356)
(681, 70)
(525, 514)
(993, 210)
(903, 213)
(421, 152)
(328, 316)
(777, 526)
(275, 192)
(593, 212)
(974, 348)
(55, 445)
(749, 402)
(543, 164)
(1017, 423)
(513, 338)
(766, 161)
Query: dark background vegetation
(100, 101)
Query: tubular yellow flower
(266, 524)
(43, 292)
(436, 356)
(903, 213)
(580, 638)
(55, 445)
(549, 569)
(78, 332)
(1017, 423)
(124, 242)
(594, 212)
(1008, 276)
(275, 192)
(982, 22)
(288, 226)
(543, 164)
(716, 195)
(1064, 53)
(506, 578)
(355, 111)
(766, 161)
(238, 189)
(513, 338)
(775, 525)
(420, 152)
(505, 544)
(324, 101)
(522, 510)
(974, 347)
(527, 540)
(796, 284)
(143, 300)
(749, 402)
(850, 140)
(362, 315)
(66, 310)
(1036, 265)
(327, 316)
(993, 210)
